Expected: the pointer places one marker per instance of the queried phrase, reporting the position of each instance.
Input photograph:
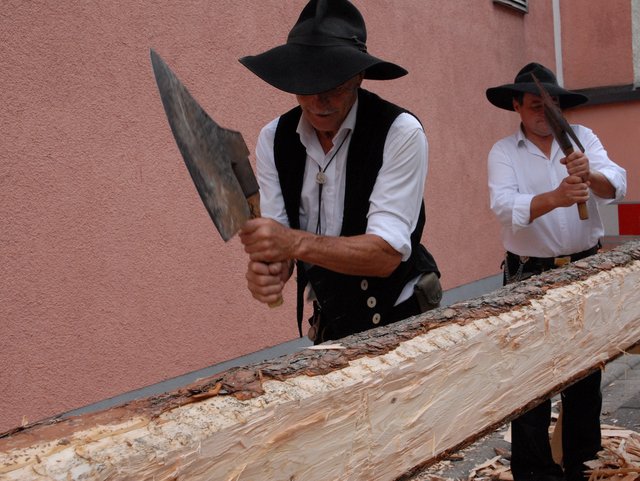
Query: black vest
(350, 304)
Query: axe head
(558, 124)
(217, 158)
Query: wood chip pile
(620, 456)
(619, 460)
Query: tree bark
(374, 406)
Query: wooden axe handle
(583, 212)
(254, 208)
(567, 149)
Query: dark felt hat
(502, 96)
(325, 48)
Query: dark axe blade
(217, 158)
(562, 132)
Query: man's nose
(321, 98)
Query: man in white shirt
(342, 181)
(534, 191)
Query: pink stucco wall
(597, 49)
(112, 274)
(618, 127)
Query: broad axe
(562, 132)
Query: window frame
(521, 5)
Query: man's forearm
(541, 204)
(366, 255)
(544, 203)
(571, 190)
(601, 186)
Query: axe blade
(559, 125)
(561, 132)
(216, 158)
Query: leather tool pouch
(428, 291)
(315, 332)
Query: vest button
(371, 302)
(364, 285)
(376, 318)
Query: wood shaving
(619, 460)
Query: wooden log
(372, 407)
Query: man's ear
(516, 105)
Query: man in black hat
(533, 189)
(342, 181)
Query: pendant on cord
(321, 178)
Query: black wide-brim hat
(502, 96)
(325, 48)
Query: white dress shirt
(518, 171)
(396, 197)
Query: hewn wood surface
(385, 402)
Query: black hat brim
(308, 70)
(502, 96)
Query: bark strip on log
(392, 399)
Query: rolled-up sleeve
(599, 161)
(399, 189)
(271, 199)
(511, 207)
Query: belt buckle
(561, 261)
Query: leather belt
(552, 262)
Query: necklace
(321, 179)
